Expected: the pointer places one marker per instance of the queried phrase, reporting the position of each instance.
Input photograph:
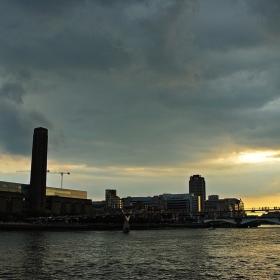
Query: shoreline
(96, 227)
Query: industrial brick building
(18, 198)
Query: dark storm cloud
(236, 30)
(107, 40)
(268, 13)
(169, 45)
(46, 7)
(137, 81)
(160, 46)
(122, 2)
(225, 38)
(57, 141)
(165, 37)
(28, 44)
(13, 91)
(246, 94)
(229, 42)
(258, 127)
(222, 66)
(64, 50)
(17, 128)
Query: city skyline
(138, 96)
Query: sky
(139, 95)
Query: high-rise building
(38, 178)
(197, 187)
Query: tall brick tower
(37, 189)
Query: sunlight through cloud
(259, 156)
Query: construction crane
(61, 175)
(48, 171)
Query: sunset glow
(259, 156)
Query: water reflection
(35, 251)
(158, 254)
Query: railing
(262, 209)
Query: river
(223, 253)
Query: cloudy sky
(140, 95)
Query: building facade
(112, 201)
(187, 205)
(146, 201)
(226, 207)
(14, 198)
(197, 187)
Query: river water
(251, 253)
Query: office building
(187, 205)
(226, 207)
(197, 187)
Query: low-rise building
(226, 207)
(187, 205)
(134, 201)
(14, 198)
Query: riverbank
(73, 226)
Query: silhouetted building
(188, 205)
(38, 178)
(197, 187)
(131, 201)
(112, 201)
(213, 197)
(18, 198)
(226, 207)
(60, 205)
(14, 198)
(98, 206)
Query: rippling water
(149, 254)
